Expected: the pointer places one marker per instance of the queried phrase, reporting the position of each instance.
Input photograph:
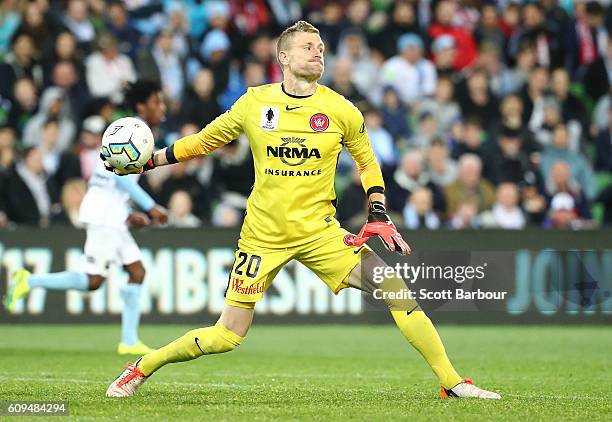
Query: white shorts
(105, 246)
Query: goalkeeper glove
(381, 225)
(150, 165)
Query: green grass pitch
(334, 372)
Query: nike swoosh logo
(292, 108)
(358, 250)
(198, 344)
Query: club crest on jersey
(269, 118)
(319, 122)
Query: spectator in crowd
(381, 140)
(9, 22)
(466, 53)
(604, 198)
(489, 60)
(8, 156)
(533, 31)
(108, 71)
(564, 213)
(357, 13)
(349, 212)
(598, 76)
(395, 116)
(603, 152)
(572, 109)
(585, 39)
(342, 82)
(224, 215)
(59, 165)
(444, 52)
(513, 79)
(24, 104)
(253, 74)
(249, 17)
(364, 71)
(442, 169)
(331, 25)
(476, 99)
(562, 183)
(71, 197)
(543, 134)
(36, 25)
(262, 50)
(472, 139)
(408, 177)
(419, 212)
(119, 25)
(66, 77)
(286, 12)
(508, 161)
(488, 29)
(578, 164)
(199, 104)
(29, 196)
(64, 50)
(505, 213)
(469, 185)
(182, 178)
(411, 75)
(600, 113)
(8, 139)
(171, 69)
(510, 20)
(466, 215)
(533, 203)
(533, 96)
(20, 62)
(425, 131)
(180, 211)
(177, 25)
(444, 109)
(214, 52)
(90, 143)
(53, 106)
(77, 21)
(233, 175)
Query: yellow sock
(421, 333)
(192, 345)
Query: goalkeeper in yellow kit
(296, 130)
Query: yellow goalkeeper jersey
(295, 142)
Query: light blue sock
(65, 280)
(130, 318)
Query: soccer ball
(127, 144)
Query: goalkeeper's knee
(215, 339)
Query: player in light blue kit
(106, 215)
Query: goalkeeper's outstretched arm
(217, 133)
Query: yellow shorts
(255, 267)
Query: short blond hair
(285, 38)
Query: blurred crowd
(482, 114)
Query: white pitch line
(245, 387)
